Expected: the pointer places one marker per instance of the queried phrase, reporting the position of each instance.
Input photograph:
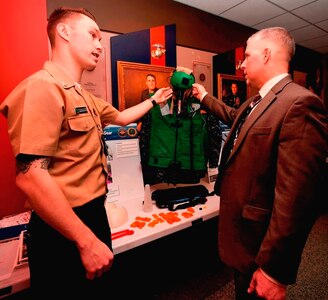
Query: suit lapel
(231, 136)
(256, 113)
(269, 98)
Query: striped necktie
(246, 113)
(229, 145)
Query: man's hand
(198, 91)
(96, 257)
(266, 288)
(162, 94)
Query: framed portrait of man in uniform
(131, 81)
(232, 89)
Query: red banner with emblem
(157, 44)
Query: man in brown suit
(271, 170)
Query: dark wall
(312, 63)
(194, 28)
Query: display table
(19, 280)
(201, 212)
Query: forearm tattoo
(25, 162)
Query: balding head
(279, 40)
(268, 54)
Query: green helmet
(182, 80)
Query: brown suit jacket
(269, 182)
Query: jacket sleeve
(224, 112)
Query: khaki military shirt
(50, 115)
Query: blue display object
(114, 132)
(11, 231)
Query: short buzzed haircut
(62, 13)
(280, 35)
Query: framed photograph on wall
(131, 78)
(228, 85)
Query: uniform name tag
(81, 110)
